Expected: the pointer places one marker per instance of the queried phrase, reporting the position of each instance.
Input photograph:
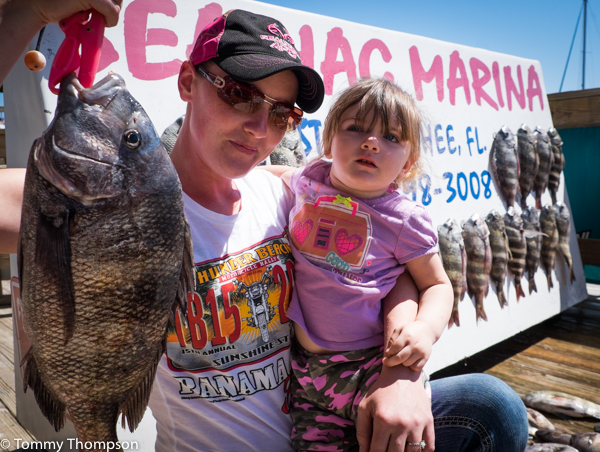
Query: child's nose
(370, 144)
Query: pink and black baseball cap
(251, 47)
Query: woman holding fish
(234, 346)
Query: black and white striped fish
(558, 162)
(549, 241)
(531, 222)
(546, 157)
(504, 165)
(479, 261)
(563, 224)
(454, 259)
(513, 225)
(528, 161)
(500, 253)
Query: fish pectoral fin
(134, 406)
(187, 278)
(52, 408)
(53, 255)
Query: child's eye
(392, 138)
(353, 128)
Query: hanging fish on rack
(549, 241)
(504, 165)
(558, 162)
(479, 261)
(500, 253)
(531, 222)
(563, 225)
(528, 161)
(454, 259)
(546, 157)
(513, 224)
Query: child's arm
(412, 344)
(282, 171)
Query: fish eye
(132, 139)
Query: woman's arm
(12, 182)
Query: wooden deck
(562, 353)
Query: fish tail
(479, 311)
(454, 318)
(52, 408)
(553, 195)
(538, 202)
(501, 296)
(519, 290)
(532, 286)
(571, 272)
(549, 277)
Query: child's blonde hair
(390, 104)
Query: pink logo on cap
(281, 42)
(275, 30)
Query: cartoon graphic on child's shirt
(332, 231)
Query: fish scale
(104, 259)
(500, 253)
(531, 222)
(558, 162)
(549, 241)
(504, 164)
(528, 161)
(479, 261)
(454, 259)
(513, 225)
(546, 158)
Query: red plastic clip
(80, 30)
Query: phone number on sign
(459, 186)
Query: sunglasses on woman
(249, 99)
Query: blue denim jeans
(477, 413)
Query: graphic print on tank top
(237, 316)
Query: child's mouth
(366, 162)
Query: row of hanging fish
(529, 162)
(481, 250)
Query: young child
(353, 234)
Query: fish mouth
(79, 153)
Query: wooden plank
(575, 109)
(11, 429)
(590, 251)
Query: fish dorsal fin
(53, 254)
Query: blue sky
(538, 29)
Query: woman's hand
(396, 410)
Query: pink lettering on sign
(534, 88)
(496, 75)
(138, 36)
(511, 88)
(205, 16)
(454, 82)
(307, 50)
(420, 75)
(364, 59)
(481, 75)
(331, 66)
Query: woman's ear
(186, 80)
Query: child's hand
(410, 346)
